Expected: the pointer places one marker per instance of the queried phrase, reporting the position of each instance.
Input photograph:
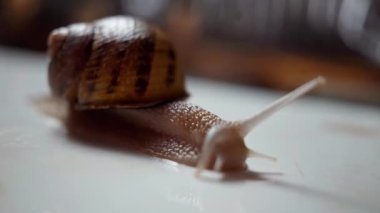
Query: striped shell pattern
(117, 62)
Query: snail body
(121, 62)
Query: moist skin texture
(173, 131)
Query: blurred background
(276, 44)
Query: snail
(126, 69)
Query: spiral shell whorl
(114, 62)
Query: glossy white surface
(328, 155)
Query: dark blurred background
(270, 43)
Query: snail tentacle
(225, 142)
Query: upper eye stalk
(224, 148)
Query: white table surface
(328, 151)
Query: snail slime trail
(117, 79)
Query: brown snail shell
(113, 62)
